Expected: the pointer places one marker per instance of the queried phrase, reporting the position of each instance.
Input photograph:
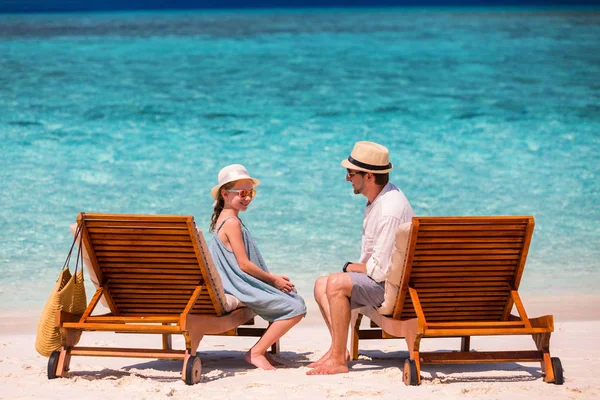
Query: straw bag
(68, 295)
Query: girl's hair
(220, 203)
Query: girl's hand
(283, 283)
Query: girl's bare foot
(259, 361)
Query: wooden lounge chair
(460, 279)
(157, 277)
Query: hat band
(368, 166)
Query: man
(362, 283)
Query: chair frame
(212, 320)
(413, 330)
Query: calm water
(484, 112)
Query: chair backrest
(464, 268)
(151, 264)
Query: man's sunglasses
(243, 192)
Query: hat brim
(347, 164)
(214, 192)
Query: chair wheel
(410, 377)
(53, 364)
(193, 370)
(558, 371)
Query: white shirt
(383, 216)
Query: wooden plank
(149, 295)
(142, 243)
(424, 284)
(474, 257)
(443, 291)
(169, 272)
(468, 245)
(104, 327)
(140, 238)
(105, 255)
(467, 240)
(138, 231)
(128, 352)
(474, 263)
(135, 217)
(450, 253)
(174, 286)
(468, 307)
(476, 234)
(471, 227)
(103, 250)
(137, 224)
(153, 260)
(151, 265)
(456, 299)
(465, 280)
(122, 320)
(428, 274)
(167, 276)
(495, 219)
(479, 357)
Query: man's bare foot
(258, 360)
(329, 368)
(326, 358)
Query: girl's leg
(256, 355)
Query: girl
(242, 268)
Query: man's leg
(338, 291)
(323, 302)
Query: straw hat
(369, 157)
(231, 173)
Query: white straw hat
(231, 173)
(369, 157)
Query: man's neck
(372, 193)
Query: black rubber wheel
(53, 364)
(193, 370)
(559, 379)
(410, 377)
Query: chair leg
(413, 342)
(167, 343)
(355, 325)
(542, 342)
(64, 360)
(275, 348)
(465, 343)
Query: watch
(346, 266)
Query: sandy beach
(376, 374)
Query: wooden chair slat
(466, 240)
(467, 245)
(131, 250)
(141, 243)
(471, 227)
(141, 238)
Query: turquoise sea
(485, 112)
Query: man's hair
(382, 179)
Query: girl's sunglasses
(243, 192)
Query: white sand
(376, 374)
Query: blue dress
(265, 300)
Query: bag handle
(78, 235)
(80, 249)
